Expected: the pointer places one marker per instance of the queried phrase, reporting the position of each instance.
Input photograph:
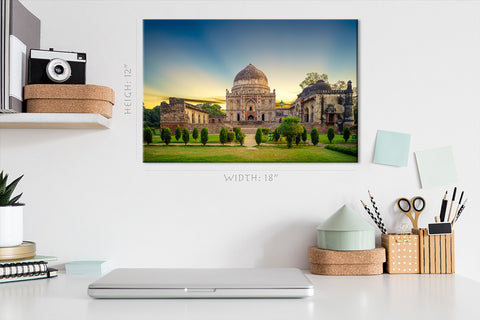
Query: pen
(444, 207)
(451, 204)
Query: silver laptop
(202, 283)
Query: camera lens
(59, 69)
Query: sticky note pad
(392, 148)
(436, 167)
(85, 267)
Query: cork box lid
(320, 256)
(69, 91)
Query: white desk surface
(366, 297)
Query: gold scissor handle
(418, 205)
(406, 208)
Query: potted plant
(11, 213)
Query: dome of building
(251, 79)
(312, 88)
(251, 73)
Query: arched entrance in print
(251, 118)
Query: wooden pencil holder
(437, 252)
(402, 252)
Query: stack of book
(20, 270)
(19, 32)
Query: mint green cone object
(345, 230)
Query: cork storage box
(437, 252)
(341, 263)
(69, 98)
(402, 252)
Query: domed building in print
(250, 99)
(320, 106)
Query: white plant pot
(11, 226)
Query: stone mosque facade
(318, 105)
(250, 98)
(251, 104)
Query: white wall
(89, 196)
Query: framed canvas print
(265, 91)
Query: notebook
(35, 268)
(202, 283)
(19, 32)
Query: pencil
(451, 204)
(444, 207)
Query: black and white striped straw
(379, 218)
(379, 225)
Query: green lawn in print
(218, 153)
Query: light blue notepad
(86, 267)
(392, 148)
(436, 167)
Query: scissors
(417, 204)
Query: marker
(444, 207)
(451, 204)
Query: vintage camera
(49, 66)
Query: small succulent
(6, 191)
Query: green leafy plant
(204, 135)
(238, 133)
(230, 136)
(223, 135)
(258, 136)
(241, 138)
(185, 135)
(6, 191)
(315, 136)
(330, 134)
(347, 150)
(166, 135)
(162, 133)
(195, 134)
(304, 134)
(178, 133)
(290, 128)
(147, 135)
(276, 135)
(346, 134)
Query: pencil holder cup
(437, 252)
(402, 252)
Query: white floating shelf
(53, 121)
